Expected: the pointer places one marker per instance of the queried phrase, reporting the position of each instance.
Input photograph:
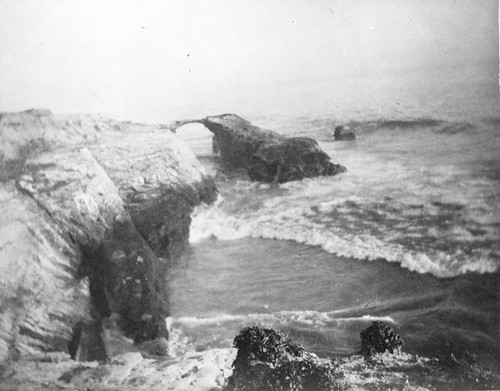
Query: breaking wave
(284, 318)
(291, 224)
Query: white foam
(307, 318)
(296, 224)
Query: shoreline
(118, 195)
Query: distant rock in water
(268, 361)
(343, 133)
(380, 338)
(268, 156)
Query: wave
(213, 223)
(305, 125)
(283, 318)
(409, 123)
(454, 128)
(434, 125)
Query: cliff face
(92, 211)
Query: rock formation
(343, 133)
(268, 361)
(268, 156)
(380, 338)
(92, 210)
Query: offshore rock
(268, 156)
(74, 243)
(268, 361)
(342, 133)
(291, 159)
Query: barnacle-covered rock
(268, 361)
(380, 338)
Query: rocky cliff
(92, 211)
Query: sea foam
(308, 318)
(213, 222)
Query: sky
(153, 60)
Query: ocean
(409, 235)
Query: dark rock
(343, 133)
(268, 156)
(291, 159)
(268, 361)
(164, 220)
(380, 338)
(127, 278)
(215, 146)
(88, 341)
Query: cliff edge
(93, 209)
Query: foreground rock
(380, 338)
(92, 210)
(268, 361)
(211, 369)
(268, 156)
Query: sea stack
(267, 156)
(343, 133)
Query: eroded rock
(268, 156)
(76, 193)
(268, 361)
(127, 278)
(380, 338)
(291, 159)
(88, 341)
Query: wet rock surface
(380, 338)
(267, 360)
(127, 278)
(268, 156)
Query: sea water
(409, 235)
